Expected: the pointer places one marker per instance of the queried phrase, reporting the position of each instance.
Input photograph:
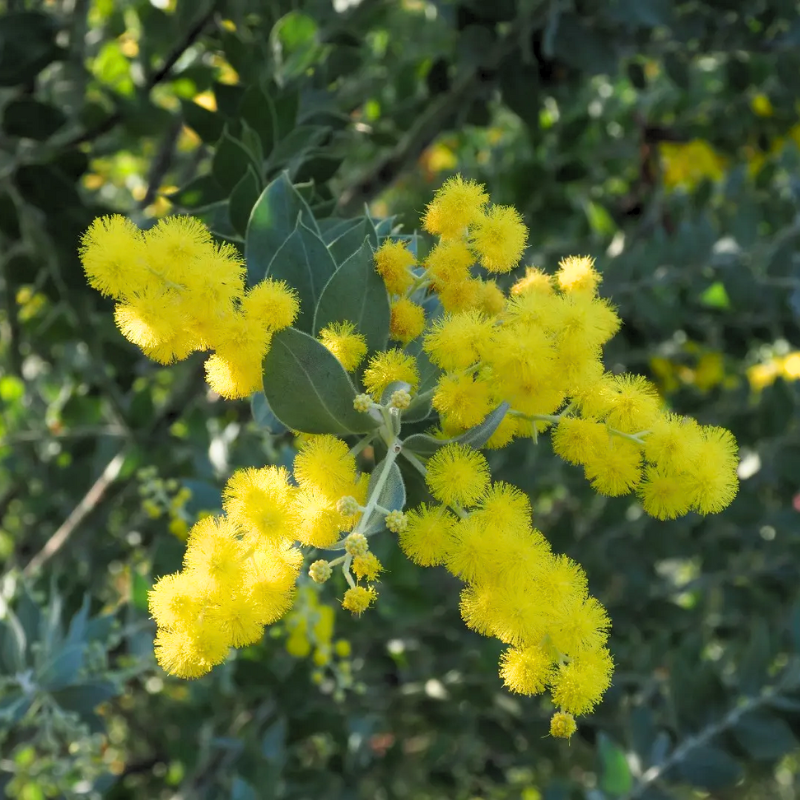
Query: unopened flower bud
(356, 544)
(320, 571)
(396, 521)
(348, 506)
(362, 403)
(401, 399)
(562, 725)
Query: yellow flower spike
(562, 725)
(393, 262)
(359, 599)
(407, 320)
(345, 342)
(499, 237)
(456, 206)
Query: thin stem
(386, 467)
(415, 462)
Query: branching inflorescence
(496, 367)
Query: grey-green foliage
(582, 95)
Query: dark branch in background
(161, 74)
(430, 124)
(99, 489)
(162, 162)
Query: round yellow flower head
(407, 320)
(664, 494)
(359, 599)
(526, 670)
(457, 341)
(499, 236)
(273, 304)
(535, 281)
(562, 725)
(457, 474)
(233, 378)
(577, 274)
(345, 342)
(449, 262)
(174, 601)
(320, 571)
(367, 567)
(261, 503)
(193, 652)
(455, 206)
(326, 464)
(393, 262)
(113, 256)
(428, 535)
(578, 686)
(387, 367)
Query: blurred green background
(659, 137)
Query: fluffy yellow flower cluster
(517, 589)
(499, 366)
(241, 568)
(540, 350)
(177, 292)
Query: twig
(155, 79)
(100, 488)
(162, 162)
(427, 128)
(709, 732)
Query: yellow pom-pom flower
(261, 503)
(462, 400)
(387, 367)
(457, 341)
(615, 470)
(192, 652)
(448, 263)
(174, 601)
(526, 670)
(428, 535)
(393, 262)
(455, 206)
(457, 475)
(326, 465)
(499, 237)
(367, 567)
(576, 440)
(233, 378)
(664, 494)
(345, 342)
(535, 281)
(114, 258)
(214, 555)
(577, 274)
(578, 686)
(407, 320)
(273, 304)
